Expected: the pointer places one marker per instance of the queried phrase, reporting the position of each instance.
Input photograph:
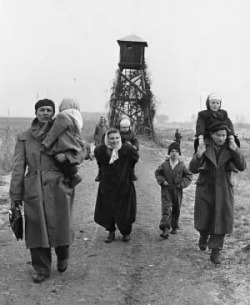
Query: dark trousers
(214, 241)
(170, 208)
(124, 230)
(41, 258)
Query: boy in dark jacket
(172, 175)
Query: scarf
(114, 153)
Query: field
(147, 270)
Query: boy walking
(172, 175)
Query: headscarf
(125, 123)
(45, 102)
(68, 103)
(114, 154)
(71, 108)
(213, 96)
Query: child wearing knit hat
(172, 175)
(207, 117)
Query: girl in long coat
(214, 197)
(116, 197)
(48, 201)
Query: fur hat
(45, 102)
(219, 125)
(174, 145)
(213, 96)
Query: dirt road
(147, 270)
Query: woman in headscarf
(39, 183)
(116, 197)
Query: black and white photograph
(124, 152)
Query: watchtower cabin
(131, 95)
(132, 49)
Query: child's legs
(176, 210)
(166, 209)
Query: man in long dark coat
(37, 181)
(214, 198)
(116, 197)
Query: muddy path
(146, 270)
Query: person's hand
(60, 157)
(16, 203)
(200, 150)
(201, 141)
(165, 183)
(232, 145)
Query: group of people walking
(45, 174)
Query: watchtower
(131, 93)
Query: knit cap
(174, 145)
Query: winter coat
(207, 117)
(99, 133)
(47, 200)
(116, 197)
(178, 178)
(130, 137)
(214, 196)
(63, 137)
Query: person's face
(219, 137)
(124, 129)
(214, 105)
(44, 114)
(102, 121)
(174, 154)
(114, 140)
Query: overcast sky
(68, 48)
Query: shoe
(203, 243)
(75, 180)
(125, 238)
(173, 231)
(39, 278)
(110, 237)
(215, 256)
(165, 234)
(62, 265)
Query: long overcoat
(47, 200)
(116, 197)
(214, 197)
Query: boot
(203, 242)
(110, 237)
(125, 238)
(173, 231)
(74, 180)
(165, 233)
(215, 256)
